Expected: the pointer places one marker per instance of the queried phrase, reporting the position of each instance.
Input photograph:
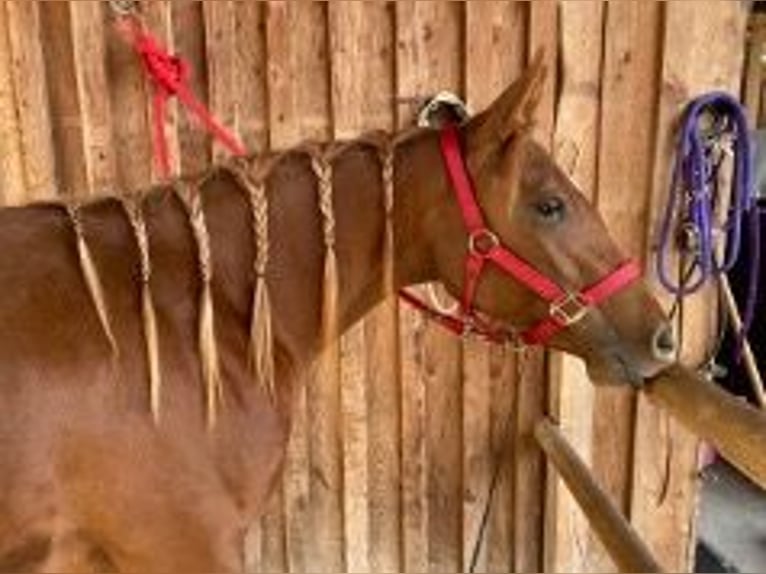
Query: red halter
(484, 246)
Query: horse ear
(514, 110)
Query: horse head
(536, 212)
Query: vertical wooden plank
(572, 394)
(415, 513)
(298, 108)
(427, 34)
(89, 54)
(12, 185)
(495, 46)
(31, 96)
(500, 539)
(189, 143)
(703, 50)
(66, 119)
(129, 99)
(354, 387)
(361, 37)
(250, 80)
(529, 482)
(543, 35)
(630, 72)
(221, 53)
(297, 56)
(531, 402)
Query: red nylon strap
(591, 297)
(461, 181)
(474, 221)
(484, 246)
(170, 76)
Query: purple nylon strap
(695, 194)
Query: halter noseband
(565, 308)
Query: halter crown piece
(484, 247)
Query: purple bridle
(695, 194)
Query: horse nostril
(664, 343)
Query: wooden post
(735, 428)
(626, 549)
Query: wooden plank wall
(419, 413)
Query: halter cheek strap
(484, 247)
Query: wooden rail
(623, 543)
(735, 428)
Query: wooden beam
(628, 551)
(735, 428)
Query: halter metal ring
(569, 309)
(482, 241)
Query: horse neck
(297, 243)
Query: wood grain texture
(221, 57)
(630, 70)
(296, 34)
(31, 98)
(571, 399)
(12, 188)
(495, 46)
(703, 50)
(361, 52)
(298, 82)
(66, 118)
(250, 74)
(529, 481)
(188, 40)
(426, 31)
(89, 56)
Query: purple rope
(694, 195)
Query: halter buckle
(569, 309)
(482, 241)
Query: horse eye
(551, 209)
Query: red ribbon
(170, 77)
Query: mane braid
(387, 157)
(132, 207)
(90, 274)
(261, 333)
(323, 172)
(208, 350)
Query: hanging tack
(208, 349)
(90, 274)
(132, 207)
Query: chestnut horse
(100, 298)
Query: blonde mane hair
(252, 176)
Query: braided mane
(252, 175)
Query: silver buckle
(569, 309)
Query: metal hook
(124, 8)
